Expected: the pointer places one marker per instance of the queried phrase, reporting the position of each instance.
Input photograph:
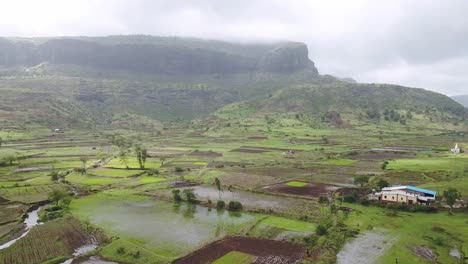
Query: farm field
(287, 180)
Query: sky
(416, 43)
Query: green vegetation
(164, 164)
(296, 184)
(235, 257)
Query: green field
(235, 257)
(296, 184)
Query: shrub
(350, 199)
(190, 195)
(176, 195)
(321, 230)
(136, 254)
(323, 199)
(152, 172)
(178, 169)
(220, 204)
(365, 201)
(121, 250)
(234, 206)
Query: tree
(162, 159)
(384, 165)
(361, 180)
(84, 160)
(218, 186)
(234, 206)
(321, 230)
(231, 189)
(176, 195)
(190, 195)
(451, 196)
(54, 176)
(123, 158)
(142, 154)
(382, 184)
(57, 195)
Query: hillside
(462, 99)
(359, 103)
(91, 81)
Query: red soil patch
(209, 154)
(311, 189)
(335, 119)
(267, 251)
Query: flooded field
(367, 248)
(172, 230)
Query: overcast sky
(418, 43)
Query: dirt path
(366, 248)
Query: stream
(31, 220)
(83, 250)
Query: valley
(214, 152)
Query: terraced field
(286, 179)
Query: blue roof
(416, 189)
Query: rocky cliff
(158, 55)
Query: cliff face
(159, 56)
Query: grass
(414, 229)
(235, 257)
(445, 163)
(338, 162)
(113, 173)
(296, 184)
(289, 224)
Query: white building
(404, 194)
(456, 149)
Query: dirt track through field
(267, 251)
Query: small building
(456, 149)
(404, 194)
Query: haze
(412, 43)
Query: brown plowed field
(267, 251)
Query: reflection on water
(167, 226)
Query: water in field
(166, 227)
(31, 220)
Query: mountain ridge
(89, 81)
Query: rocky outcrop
(160, 56)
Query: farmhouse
(404, 194)
(456, 149)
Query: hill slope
(364, 102)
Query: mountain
(156, 55)
(462, 99)
(111, 81)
